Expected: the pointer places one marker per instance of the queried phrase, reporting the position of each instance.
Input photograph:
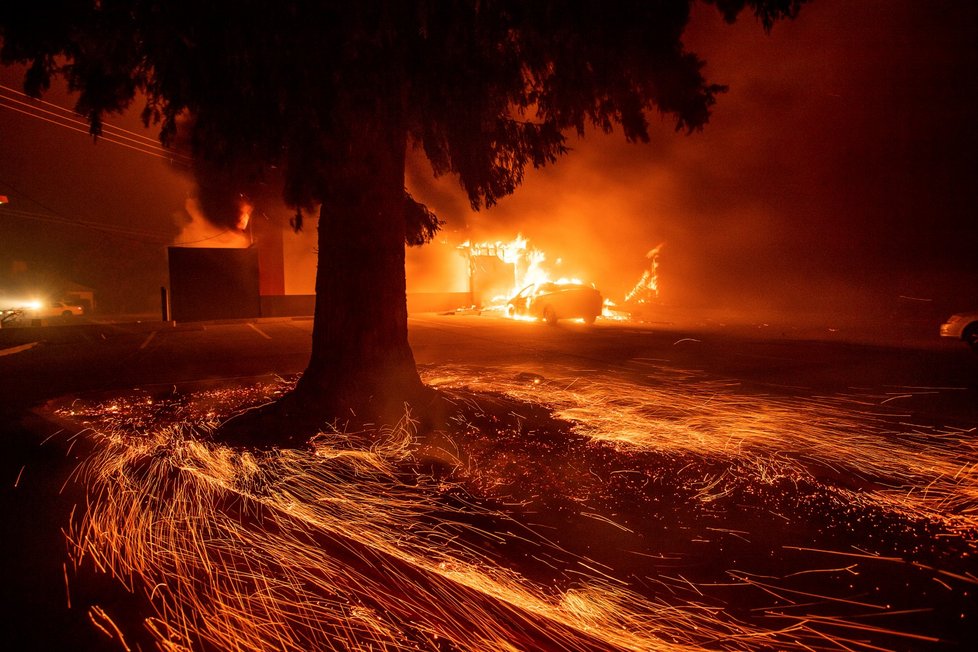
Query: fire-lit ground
(664, 510)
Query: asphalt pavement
(37, 364)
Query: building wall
(208, 284)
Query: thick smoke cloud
(833, 179)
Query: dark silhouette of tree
(330, 94)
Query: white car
(962, 326)
(54, 309)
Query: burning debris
(647, 289)
(498, 270)
(515, 278)
(508, 276)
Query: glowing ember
(289, 550)
(658, 519)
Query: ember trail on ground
(562, 510)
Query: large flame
(529, 264)
(244, 214)
(647, 288)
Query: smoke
(197, 230)
(832, 182)
(226, 196)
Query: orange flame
(647, 288)
(528, 264)
(197, 231)
(244, 215)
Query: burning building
(499, 269)
(242, 271)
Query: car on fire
(962, 326)
(553, 301)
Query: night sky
(835, 179)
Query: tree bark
(361, 364)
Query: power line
(79, 125)
(187, 242)
(53, 216)
(132, 234)
(137, 142)
(142, 144)
(85, 131)
(106, 228)
(137, 234)
(72, 114)
(144, 236)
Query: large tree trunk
(361, 364)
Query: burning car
(552, 301)
(962, 326)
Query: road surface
(98, 357)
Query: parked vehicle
(555, 301)
(54, 309)
(962, 326)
